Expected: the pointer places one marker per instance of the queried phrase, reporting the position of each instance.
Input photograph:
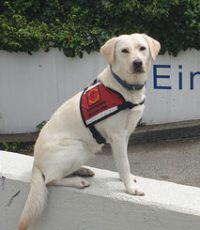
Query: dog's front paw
(135, 190)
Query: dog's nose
(137, 64)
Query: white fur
(65, 144)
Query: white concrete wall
(103, 206)
(173, 93)
(32, 87)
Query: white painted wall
(32, 87)
(175, 104)
(102, 206)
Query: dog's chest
(133, 117)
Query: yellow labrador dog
(73, 135)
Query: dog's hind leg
(75, 182)
(83, 171)
(63, 162)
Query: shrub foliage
(76, 26)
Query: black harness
(95, 107)
(97, 135)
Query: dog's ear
(108, 50)
(154, 46)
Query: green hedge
(75, 26)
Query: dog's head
(130, 55)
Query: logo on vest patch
(93, 96)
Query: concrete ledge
(104, 205)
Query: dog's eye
(142, 48)
(125, 51)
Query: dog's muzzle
(138, 66)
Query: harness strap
(129, 105)
(97, 135)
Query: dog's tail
(36, 200)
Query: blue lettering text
(157, 76)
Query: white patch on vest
(91, 87)
(101, 115)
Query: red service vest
(99, 102)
